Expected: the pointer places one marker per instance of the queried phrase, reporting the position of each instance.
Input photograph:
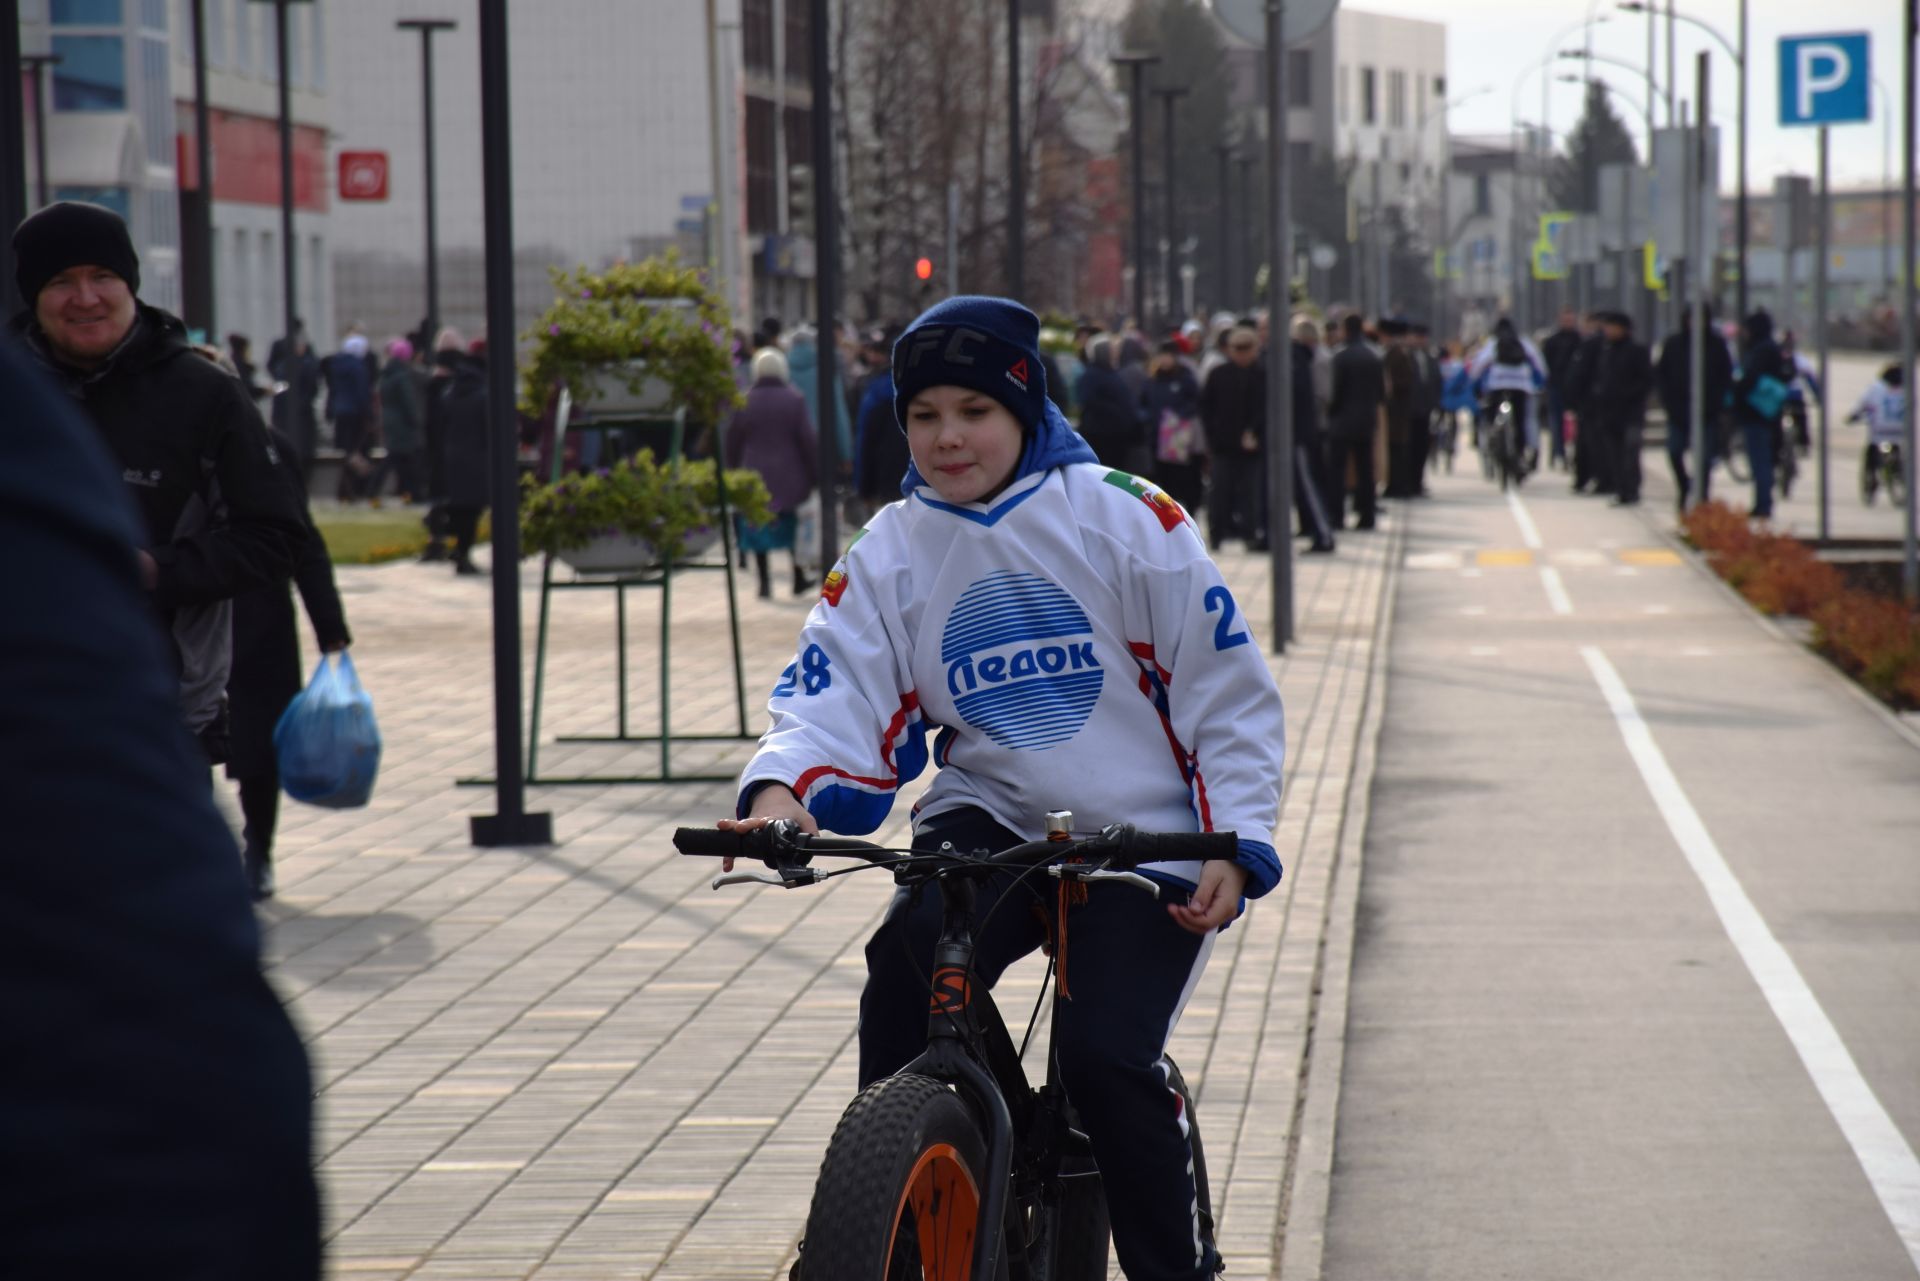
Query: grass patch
(359, 536)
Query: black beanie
(989, 345)
(72, 234)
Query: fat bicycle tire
(900, 1188)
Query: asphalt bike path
(1636, 989)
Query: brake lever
(1072, 872)
(788, 878)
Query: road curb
(1300, 1241)
(1691, 555)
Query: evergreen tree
(1600, 138)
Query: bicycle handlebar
(780, 844)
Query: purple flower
(554, 330)
(586, 293)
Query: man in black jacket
(1623, 377)
(1756, 414)
(1233, 412)
(217, 519)
(1592, 461)
(1673, 377)
(1558, 351)
(1353, 419)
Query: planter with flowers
(638, 513)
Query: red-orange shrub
(1785, 577)
(1873, 639)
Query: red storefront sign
(363, 175)
(246, 160)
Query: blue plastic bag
(326, 741)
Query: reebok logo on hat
(1018, 374)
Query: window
(91, 74)
(86, 13)
(1340, 90)
(1369, 100)
(1299, 159)
(1397, 99)
(216, 35)
(153, 14)
(1482, 195)
(243, 35)
(294, 46)
(318, 78)
(1439, 86)
(756, 35)
(1406, 174)
(799, 42)
(1299, 77)
(114, 198)
(762, 190)
(156, 101)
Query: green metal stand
(660, 576)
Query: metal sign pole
(1910, 574)
(829, 402)
(511, 825)
(1279, 335)
(1690, 297)
(1820, 332)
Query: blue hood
(1053, 444)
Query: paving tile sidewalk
(580, 1062)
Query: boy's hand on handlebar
(1215, 902)
(769, 803)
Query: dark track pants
(1130, 970)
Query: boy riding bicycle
(1062, 628)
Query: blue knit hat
(989, 345)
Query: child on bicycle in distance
(1883, 408)
(1061, 626)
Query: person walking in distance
(1558, 350)
(773, 434)
(449, 353)
(1309, 442)
(217, 520)
(1403, 401)
(1172, 405)
(1622, 381)
(1233, 412)
(1592, 464)
(1109, 413)
(350, 378)
(1673, 378)
(465, 436)
(1353, 417)
(267, 672)
(403, 412)
(296, 373)
(1759, 397)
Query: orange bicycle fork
(953, 1032)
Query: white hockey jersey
(1489, 374)
(1070, 645)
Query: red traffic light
(924, 269)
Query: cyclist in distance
(1509, 367)
(1062, 627)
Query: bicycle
(1883, 468)
(956, 1167)
(1505, 446)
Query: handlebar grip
(1173, 847)
(712, 841)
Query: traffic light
(923, 269)
(800, 199)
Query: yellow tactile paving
(1651, 557)
(1503, 558)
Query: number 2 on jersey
(1224, 637)
(812, 672)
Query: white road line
(1556, 591)
(1883, 1151)
(1529, 532)
(1549, 577)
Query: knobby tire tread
(862, 1176)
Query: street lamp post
(1247, 253)
(1138, 63)
(426, 27)
(202, 229)
(288, 310)
(1739, 56)
(13, 160)
(510, 824)
(1223, 251)
(1168, 97)
(37, 64)
(1016, 173)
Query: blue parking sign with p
(1825, 80)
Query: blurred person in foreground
(217, 518)
(154, 1097)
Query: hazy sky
(1491, 42)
